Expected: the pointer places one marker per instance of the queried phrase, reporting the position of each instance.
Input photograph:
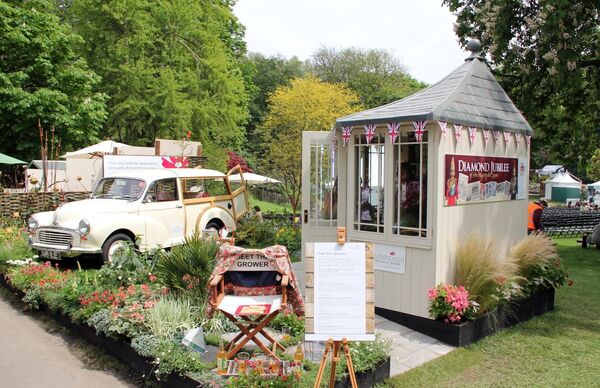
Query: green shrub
(129, 266)
(13, 241)
(171, 315)
(187, 267)
(255, 234)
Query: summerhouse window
(410, 185)
(369, 169)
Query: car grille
(54, 237)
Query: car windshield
(119, 188)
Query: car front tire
(113, 245)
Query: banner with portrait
(473, 179)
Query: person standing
(258, 216)
(534, 216)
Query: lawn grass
(560, 348)
(269, 207)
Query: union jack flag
(346, 133)
(443, 127)
(496, 136)
(472, 134)
(457, 131)
(506, 135)
(518, 138)
(528, 138)
(370, 132)
(393, 131)
(486, 136)
(419, 129)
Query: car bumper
(65, 241)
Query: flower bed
(468, 332)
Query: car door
(162, 211)
(239, 193)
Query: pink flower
(175, 162)
(432, 293)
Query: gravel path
(30, 356)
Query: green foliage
(375, 74)
(129, 266)
(170, 356)
(43, 78)
(13, 241)
(187, 266)
(168, 66)
(593, 169)
(144, 344)
(308, 104)
(291, 321)
(255, 234)
(255, 380)
(171, 315)
(546, 55)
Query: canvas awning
(469, 96)
(5, 159)
(99, 149)
(252, 178)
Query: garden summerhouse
(416, 176)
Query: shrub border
(120, 349)
(471, 331)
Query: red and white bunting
(472, 134)
(506, 135)
(419, 129)
(457, 131)
(528, 138)
(443, 127)
(370, 132)
(496, 136)
(518, 138)
(486, 136)
(346, 134)
(393, 131)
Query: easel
(336, 346)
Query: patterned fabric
(443, 126)
(278, 257)
(346, 133)
(370, 132)
(393, 131)
(419, 129)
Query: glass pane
(423, 188)
(323, 185)
(369, 172)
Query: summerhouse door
(319, 188)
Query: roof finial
(474, 45)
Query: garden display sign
(340, 298)
(473, 179)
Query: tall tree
(308, 104)
(375, 75)
(268, 73)
(546, 54)
(42, 78)
(167, 66)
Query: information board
(339, 293)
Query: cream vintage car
(150, 208)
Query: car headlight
(84, 227)
(32, 223)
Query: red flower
(175, 162)
(152, 278)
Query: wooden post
(335, 347)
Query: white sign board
(252, 263)
(339, 292)
(390, 258)
(115, 165)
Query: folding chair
(251, 293)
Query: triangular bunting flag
(443, 127)
(506, 135)
(528, 138)
(370, 132)
(393, 131)
(517, 138)
(346, 133)
(419, 129)
(496, 136)
(486, 136)
(472, 134)
(457, 131)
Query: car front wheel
(115, 244)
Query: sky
(418, 32)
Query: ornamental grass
(531, 253)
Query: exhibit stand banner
(114, 165)
(340, 292)
(472, 179)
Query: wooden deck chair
(251, 293)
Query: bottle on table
(298, 360)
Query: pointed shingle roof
(469, 96)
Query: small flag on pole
(506, 135)
(472, 134)
(443, 127)
(496, 136)
(486, 136)
(457, 131)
